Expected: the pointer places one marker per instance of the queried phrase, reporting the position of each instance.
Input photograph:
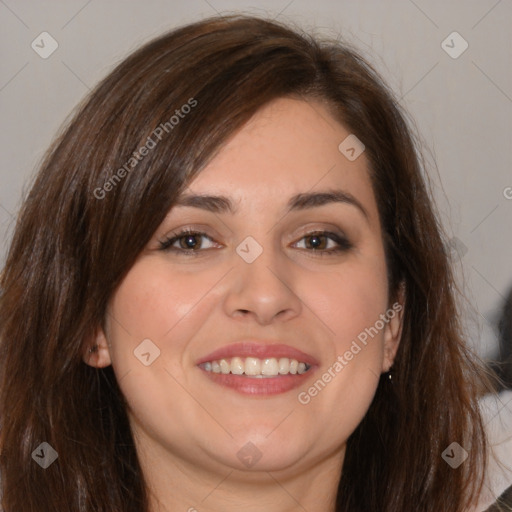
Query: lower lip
(263, 387)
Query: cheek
(350, 300)
(151, 303)
(166, 307)
(147, 303)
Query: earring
(94, 348)
(389, 376)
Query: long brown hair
(85, 222)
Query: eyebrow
(303, 201)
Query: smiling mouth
(254, 367)
(258, 368)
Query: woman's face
(257, 344)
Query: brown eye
(189, 241)
(317, 242)
(186, 242)
(325, 242)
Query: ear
(393, 329)
(97, 352)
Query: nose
(262, 290)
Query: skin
(188, 429)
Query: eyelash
(343, 244)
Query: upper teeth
(255, 367)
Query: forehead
(287, 148)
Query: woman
(228, 288)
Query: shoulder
(504, 502)
(497, 417)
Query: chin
(260, 448)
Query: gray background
(462, 106)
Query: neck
(175, 483)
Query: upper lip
(260, 349)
